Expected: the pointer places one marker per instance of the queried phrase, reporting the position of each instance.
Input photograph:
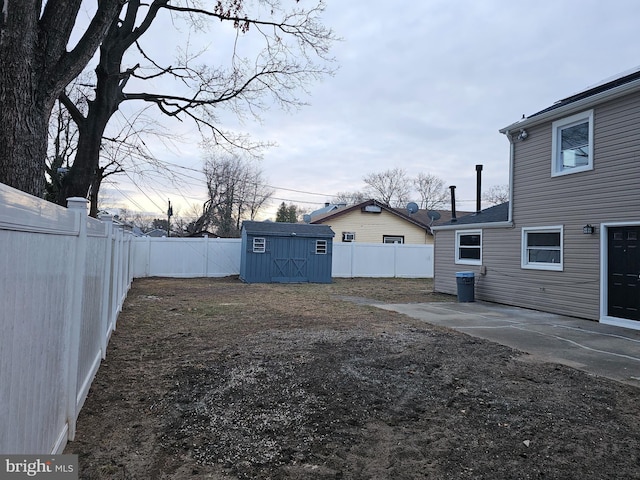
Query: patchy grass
(216, 379)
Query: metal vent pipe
(478, 187)
(453, 203)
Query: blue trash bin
(466, 286)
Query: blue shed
(277, 252)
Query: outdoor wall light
(588, 229)
(523, 135)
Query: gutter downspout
(512, 150)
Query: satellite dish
(412, 207)
(433, 215)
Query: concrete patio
(598, 349)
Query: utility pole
(169, 215)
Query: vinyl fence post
(395, 259)
(352, 253)
(128, 236)
(205, 239)
(147, 266)
(117, 274)
(105, 330)
(78, 205)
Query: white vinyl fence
(64, 277)
(186, 257)
(217, 257)
(382, 260)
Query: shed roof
(282, 229)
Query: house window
(542, 248)
(469, 247)
(259, 245)
(572, 143)
(321, 247)
(348, 236)
(392, 239)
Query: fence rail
(64, 279)
(216, 257)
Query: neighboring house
(568, 242)
(374, 222)
(156, 232)
(328, 207)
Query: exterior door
(624, 272)
(289, 260)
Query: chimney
(478, 187)
(453, 203)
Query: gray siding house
(568, 241)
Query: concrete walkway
(598, 349)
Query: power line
(177, 190)
(190, 169)
(136, 204)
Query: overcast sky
(425, 86)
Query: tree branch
(69, 65)
(73, 110)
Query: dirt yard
(216, 379)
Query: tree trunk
(86, 164)
(93, 193)
(35, 66)
(23, 144)
(23, 112)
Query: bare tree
(38, 61)
(497, 194)
(255, 194)
(432, 190)
(391, 187)
(236, 192)
(135, 219)
(291, 39)
(350, 198)
(63, 140)
(188, 223)
(124, 150)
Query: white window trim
(467, 261)
(524, 258)
(393, 239)
(348, 236)
(321, 247)
(556, 127)
(259, 245)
